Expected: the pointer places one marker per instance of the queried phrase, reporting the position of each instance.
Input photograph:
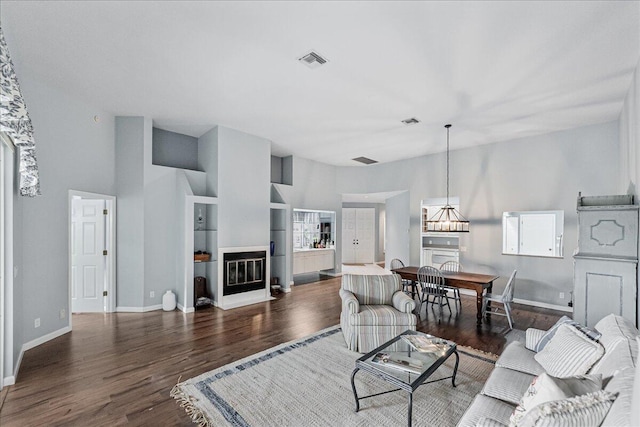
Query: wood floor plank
(118, 369)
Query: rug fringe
(188, 403)
(488, 355)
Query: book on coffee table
(425, 344)
(395, 361)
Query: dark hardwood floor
(116, 369)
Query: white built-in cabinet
(201, 247)
(281, 244)
(606, 260)
(307, 261)
(358, 235)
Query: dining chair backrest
(453, 266)
(430, 278)
(507, 294)
(396, 263)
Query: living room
(530, 131)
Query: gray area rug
(515, 335)
(307, 383)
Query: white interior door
(348, 235)
(365, 235)
(88, 263)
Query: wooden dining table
(464, 280)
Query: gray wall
(129, 142)
(74, 152)
(148, 244)
(244, 187)
(161, 229)
(398, 228)
(537, 173)
(174, 150)
(630, 143)
(314, 187)
(208, 160)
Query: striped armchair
(374, 310)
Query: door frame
(110, 242)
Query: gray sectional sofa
(611, 359)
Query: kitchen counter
(313, 249)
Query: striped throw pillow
(587, 410)
(569, 353)
(544, 340)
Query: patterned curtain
(15, 122)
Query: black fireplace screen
(244, 271)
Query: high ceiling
(496, 70)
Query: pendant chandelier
(448, 219)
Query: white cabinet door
(365, 235)
(358, 235)
(349, 235)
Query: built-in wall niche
(202, 277)
(533, 233)
(282, 170)
(280, 245)
(174, 150)
(313, 229)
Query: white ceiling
(496, 70)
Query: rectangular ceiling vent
(365, 160)
(411, 121)
(313, 59)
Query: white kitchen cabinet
(307, 261)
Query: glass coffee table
(400, 364)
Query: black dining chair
(432, 286)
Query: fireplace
(244, 272)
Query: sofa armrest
(403, 302)
(533, 336)
(350, 303)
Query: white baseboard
(544, 305)
(139, 309)
(43, 339)
(11, 380)
(6, 381)
(186, 310)
(285, 290)
(527, 302)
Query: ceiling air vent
(411, 121)
(365, 160)
(313, 59)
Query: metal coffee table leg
(455, 369)
(353, 386)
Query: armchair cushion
(372, 290)
(381, 315)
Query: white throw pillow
(546, 388)
(569, 353)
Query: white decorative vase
(169, 301)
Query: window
(535, 233)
